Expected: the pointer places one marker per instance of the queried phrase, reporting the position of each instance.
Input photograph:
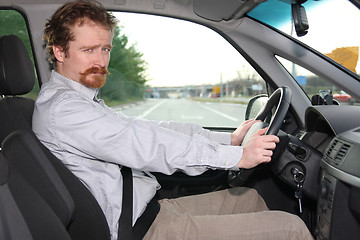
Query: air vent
(337, 152)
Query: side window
(171, 69)
(313, 84)
(13, 23)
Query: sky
(189, 53)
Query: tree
(127, 70)
(127, 59)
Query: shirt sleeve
(91, 131)
(191, 129)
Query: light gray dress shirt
(92, 140)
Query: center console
(338, 207)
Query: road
(207, 114)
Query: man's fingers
(248, 123)
(260, 132)
(265, 150)
(269, 145)
(268, 153)
(266, 138)
(267, 159)
(266, 156)
(269, 138)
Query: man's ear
(59, 53)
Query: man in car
(94, 142)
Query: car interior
(315, 169)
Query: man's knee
(247, 200)
(292, 225)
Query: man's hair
(58, 31)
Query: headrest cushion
(17, 74)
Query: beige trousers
(233, 214)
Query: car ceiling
(214, 10)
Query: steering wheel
(280, 99)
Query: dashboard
(338, 129)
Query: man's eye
(106, 49)
(88, 50)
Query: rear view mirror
(300, 20)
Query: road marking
(220, 113)
(191, 117)
(151, 109)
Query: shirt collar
(87, 91)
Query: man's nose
(100, 59)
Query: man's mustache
(95, 70)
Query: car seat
(17, 77)
(23, 213)
(31, 158)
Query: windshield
(333, 28)
(333, 31)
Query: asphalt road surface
(207, 114)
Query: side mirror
(255, 105)
(300, 19)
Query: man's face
(88, 56)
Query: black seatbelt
(125, 221)
(126, 231)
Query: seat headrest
(17, 74)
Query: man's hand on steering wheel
(257, 146)
(238, 135)
(258, 149)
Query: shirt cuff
(223, 157)
(229, 157)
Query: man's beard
(97, 81)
